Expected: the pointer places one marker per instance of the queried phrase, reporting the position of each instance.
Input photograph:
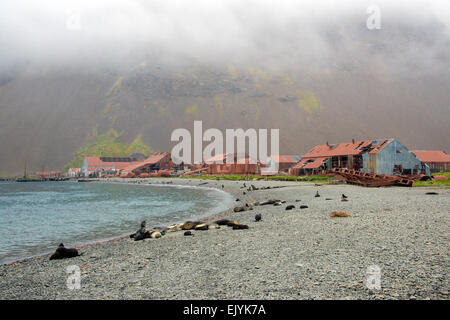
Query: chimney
(353, 141)
(328, 144)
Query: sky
(107, 32)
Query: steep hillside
(46, 117)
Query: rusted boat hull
(370, 179)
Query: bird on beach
(258, 217)
(317, 194)
(223, 187)
(344, 197)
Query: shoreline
(143, 181)
(290, 254)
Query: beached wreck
(371, 179)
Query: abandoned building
(386, 156)
(155, 162)
(102, 166)
(228, 164)
(285, 162)
(437, 160)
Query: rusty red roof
(431, 155)
(348, 148)
(223, 158)
(152, 159)
(284, 159)
(94, 163)
(310, 163)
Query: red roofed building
(387, 156)
(101, 166)
(437, 160)
(285, 162)
(155, 162)
(228, 164)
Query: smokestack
(328, 144)
(353, 141)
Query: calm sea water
(35, 217)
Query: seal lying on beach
(272, 201)
(258, 217)
(142, 233)
(63, 252)
(290, 207)
(202, 226)
(238, 226)
(188, 225)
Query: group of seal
(143, 233)
(230, 223)
(63, 252)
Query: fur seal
(188, 225)
(142, 233)
(63, 252)
(155, 234)
(258, 217)
(431, 193)
(188, 233)
(223, 222)
(303, 207)
(238, 226)
(202, 226)
(271, 201)
(290, 207)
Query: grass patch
(435, 183)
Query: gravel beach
(290, 254)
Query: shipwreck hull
(370, 179)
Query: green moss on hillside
(105, 145)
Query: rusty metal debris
(370, 179)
